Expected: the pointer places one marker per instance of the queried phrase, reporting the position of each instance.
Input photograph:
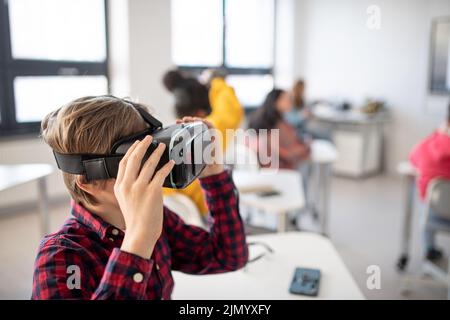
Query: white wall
(341, 58)
(140, 53)
(284, 43)
(150, 54)
(119, 47)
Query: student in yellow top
(214, 101)
(226, 110)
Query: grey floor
(365, 227)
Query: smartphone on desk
(305, 282)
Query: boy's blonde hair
(89, 125)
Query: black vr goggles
(184, 144)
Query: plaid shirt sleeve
(63, 271)
(224, 247)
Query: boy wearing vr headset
(121, 242)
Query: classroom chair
(438, 201)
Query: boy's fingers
(192, 119)
(208, 123)
(188, 119)
(150, 165)
(162, 173)
(134, 161)
(123, 162)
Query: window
(51, 51)
(194, 44)
(232, 34)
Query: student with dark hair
(212, 99)
(292, 151)
(173, 79)
(431, 158)
(191, 97)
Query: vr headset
(184, 144)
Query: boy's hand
(139, 194)
(217, 166)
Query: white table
(323, 155)
(358, 138)
(287, 182)
(15, 175)
(270, 277)
(408, 173)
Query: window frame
(197, 69)
(431, 60)
(11, 68)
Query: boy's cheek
(109, 185)
(108, 190)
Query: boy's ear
(87, 187)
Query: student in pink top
(431, 158)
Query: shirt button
(111, 239)
(138, 277)
(115, 232)
(157, 267)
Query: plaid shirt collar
(90, 220)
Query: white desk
(408, 173)
(15, 175)
(323, 151)
(287, 182)
(323, 155)
(270, 277)
(358, 138)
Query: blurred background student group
(359, 92)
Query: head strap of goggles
(98, 166)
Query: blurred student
(227, 112)
(271, 115)
(191, 98)
(431, 157)
(299, 115)
(214, 101)
(298, 94)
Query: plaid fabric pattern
(83, 260)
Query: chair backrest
(185, 208)
(438, 197)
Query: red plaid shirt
(91, 246)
